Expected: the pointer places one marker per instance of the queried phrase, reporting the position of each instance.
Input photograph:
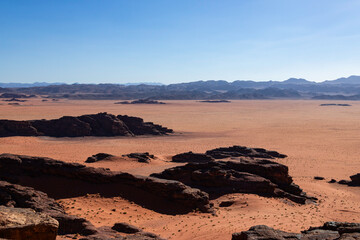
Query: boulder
(355, 181)
(101, 124)
(192, 158)
(25, 223)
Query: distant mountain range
(293, 88)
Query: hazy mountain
(350, 80)
(24, 85)
(297, 81)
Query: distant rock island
(216, 101)
(336, 104)
(101, 124)
(141, 101)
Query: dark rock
(329, 231)
(141, 157)
(14, 100)
(332, 181)
(125, 228)
(138, 127)
(14, 104)
(216, 101)
(258, 176)
(344, 182)
(319, 178)
(16, 95)
(50, 176)
(334, 104)
(101, 124)
(25, 223)
(192, 158)
(12, 195)
(141, 101)
(226, 203)
(355, 180)
(240, 151)
(98, 157)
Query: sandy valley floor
(320, 141)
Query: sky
(127, 41)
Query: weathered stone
(329, 231)
(25, 223)
(192, 157)
(50, 176)
(141, 157)
(101, 124)
(240, 151)
(98, 157)
(258, 176)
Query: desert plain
(319, 141)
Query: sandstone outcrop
(258, 176)
(52, 177)
(141, 101)
(141, 157)
(240, 151)
(192, 157)
(25, 223)
(101, 124)
(99, 157)
(354, 181)
(329, 231)
(13, 195)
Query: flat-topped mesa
(240, 151)
(238, 175)
(53, 177)
(329, 231)
(101, 124)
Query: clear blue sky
(170, 41)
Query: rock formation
(192, 157)
(141, 101)
(99, 157)
(240, 151)
(15, 196)
(241, 175)
(329, 231)
(25, 223)
(355, 181)
(141, 157)
(101, 124)
(50, 176)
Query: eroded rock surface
(258, 176)
(141, 157)
(354, 181)
(329, 231)
(101, 124)
(240, 151)
(25, 223)
(99, 157)
(52, 176)
(192, 157)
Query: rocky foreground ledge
(329, 231)
(101, 124)
(240, 170)
(30, 214)
(54, 178)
